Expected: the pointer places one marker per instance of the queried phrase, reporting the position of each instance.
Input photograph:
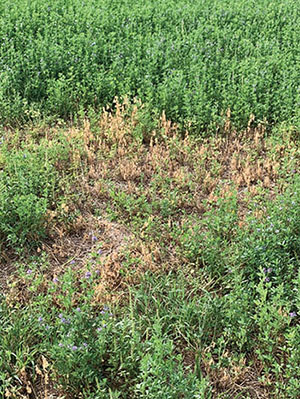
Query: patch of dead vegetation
(241, 379)
(207, 168)
(41, 387)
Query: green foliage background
(193, 59)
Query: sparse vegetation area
(159, 269)
(141, 257)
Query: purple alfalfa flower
(102, 311)
(85, 344)
(74, 348)
(97, 272)
(78, 310)
(99, 329)
(267, 279)
(60, 345)
(47, 327)
(293, 314)
(55, 280)
(105, 307)
(269, 270)
(99, 252)
(40, 319)
(29, 271)
(63, 319)
(88, 274)
(265, 270)
(94, 238)
(72, 262)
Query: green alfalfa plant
(28, 181)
